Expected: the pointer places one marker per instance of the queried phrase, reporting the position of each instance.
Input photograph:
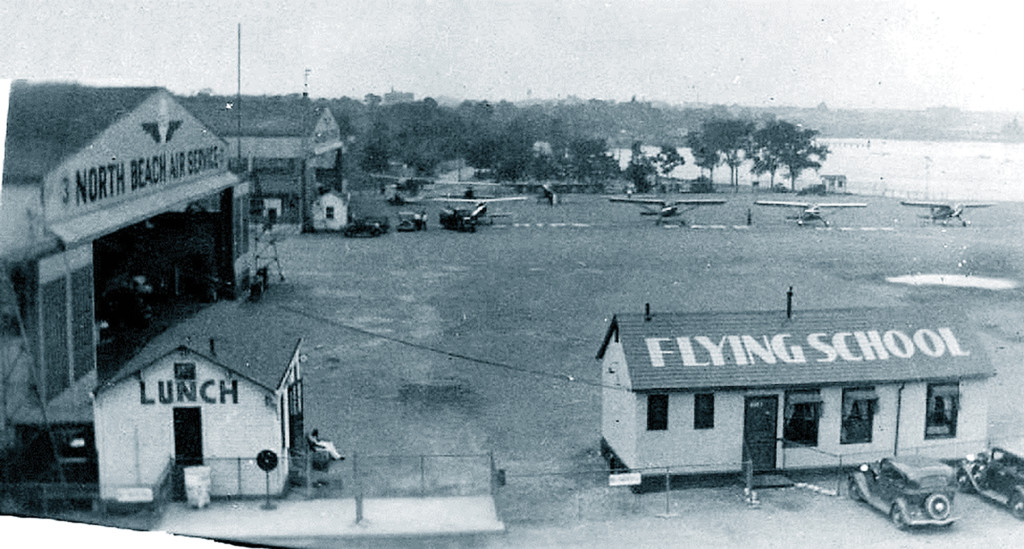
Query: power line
(450, 354)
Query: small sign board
(624, 479)
(134, 494)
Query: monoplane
(944, 211)
(809, 211)
(467, 219)
(664, 208)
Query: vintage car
(913, 490)
(997, 475)
(412, 221)
(367, 226)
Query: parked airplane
(944, 211)
(466, 220)
(666, 208)
(410, 190)
(809, 211)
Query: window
(657, 412)
(704, 411)
(802, 411)
(330, 212)
(943, 403)
(184, 370)
(859, 405)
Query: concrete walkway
(309, 523)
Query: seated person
(318, 445)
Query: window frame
(951, 412)
(790, 414)
(703, 415)
(848, 424)
(657, 414)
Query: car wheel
(938, 506)
(964, 481)
(1017, 506)
(853, 490)
(898, 517)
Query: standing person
(316, 444)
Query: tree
(781, 144)
(668, 159)
(640, 168)
(589, 160)
(705, 153)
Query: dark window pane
(704, 411)
(657, 412)
(943, 407)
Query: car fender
(869, 496)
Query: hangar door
(759, 431)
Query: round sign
(266, 460)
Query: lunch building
(707, 392)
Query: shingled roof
(637, 333)
(273, 116)
(248, 339)
(47, 121)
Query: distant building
(289, 147)
(834, 183)
(704, 393)
(392, 97)
(330, 212)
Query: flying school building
(700, 393)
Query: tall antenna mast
(238, 97)
(305, 83)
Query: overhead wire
(451, 354)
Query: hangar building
(290, 148)
(119, 216)
(700, 393)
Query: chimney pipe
(213, 347)
(647, 312)
(789, 303)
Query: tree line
(567, 142)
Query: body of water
(939, 170)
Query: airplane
(809, 211)
(466, 220)
(666, 208)
(401, 192)
(944, 211)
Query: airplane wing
(842, 205)
(696, 201)
(638, 200)
(925, 204)
(976, 205)
(481, 200)
(783, 203)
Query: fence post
(494, 481)
(423, 476)
(309, 473)
(238, 469)
(839, 475)
(359, 488)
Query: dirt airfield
(440, 342)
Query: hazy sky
(846, 53)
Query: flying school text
(853, 346)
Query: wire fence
(384, 476)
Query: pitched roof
(275, 116)
(249, 339)
(765, 349)
(47, 121)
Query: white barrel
(197, 486)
